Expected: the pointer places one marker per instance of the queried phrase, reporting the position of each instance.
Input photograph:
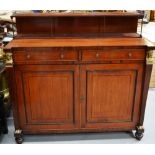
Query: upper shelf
(75, 24)
(84, 14)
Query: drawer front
(34, 57)
(99, 55)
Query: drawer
(34, 57)
(99, 55)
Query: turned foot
(18, 136)
(139, 132)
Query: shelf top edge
(112, 42)
(71, 14)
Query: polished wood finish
(78, 14)
(119, 54)
(70, 55)
(43, 55)
(79, 83)
(112, 95)
(77, 24)
(49, 98)
(83, 42)
(147, 76)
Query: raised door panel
(112, 96)
(49, 97)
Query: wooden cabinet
(78, 73)
(109, 96)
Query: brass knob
(130, 55)
(97, 55)
(61, 55)
(28, 56)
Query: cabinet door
(110, 96)
(47, 97)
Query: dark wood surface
(88, 14)
(115, 54)
(77, 55)
(75, 24)
(80, 42)
(49, 98)
(79, 84)
(92, 107)
(146, 78)
(111, 95)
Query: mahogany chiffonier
(79, 72)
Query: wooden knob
(61, 55)
(97, 55)
(82, 98)
(28, 56)
(130, 55)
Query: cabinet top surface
(75, 42)
(71, 14)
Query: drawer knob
(82, 98)
(28, 56)
(97, 55)
(61, 55)
(130, 55)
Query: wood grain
(82, 72)
(49, 98)
(111, 95)
(76, 14)
(73, 24)
(120, 54)
(72, 42)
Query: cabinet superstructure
(77, 72)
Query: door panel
(50, 96)
(109, 95)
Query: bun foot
(18, 136)
(19, 140)
(138, 136)
(139, 132)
